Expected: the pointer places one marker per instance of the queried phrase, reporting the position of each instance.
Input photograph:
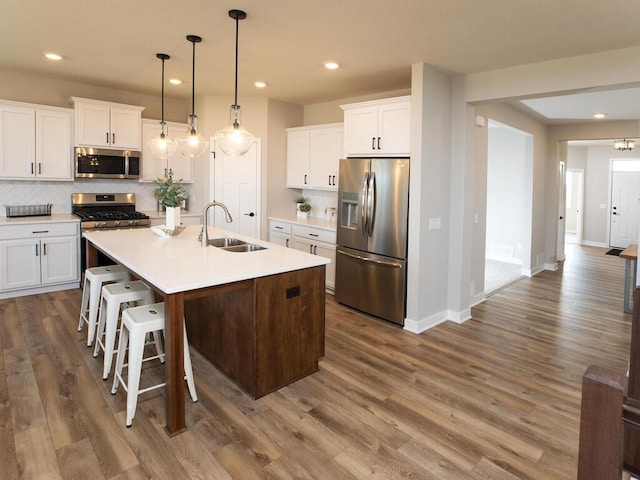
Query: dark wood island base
(262, 333)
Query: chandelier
(622, 145)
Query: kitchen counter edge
(330, 225)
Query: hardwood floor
(497, 397)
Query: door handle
(372, 260)
(251, 214)
(373, 143)
(113, 136)
(378, 143)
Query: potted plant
(171, 193)
(299, 201)
(305, 208)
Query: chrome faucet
(204, 236)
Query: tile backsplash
(21, 192)
(319, 200)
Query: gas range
(107, 210)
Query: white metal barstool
(116, 297)
(137, 322)
(94, 279)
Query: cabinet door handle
(36, 249)
(32, 171)
(286, 243)
(44, 249)
(311, 249)
(329, 179)
(378, 143)
(373, 143)
(314, 235)
(107, 141)
(113, 139)
(305, 179)
(40, 231)
(315, 249)
(278, 227)
(39, 168)
(334, 180)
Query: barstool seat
(117, 297)
(137, 322)
(94, 279)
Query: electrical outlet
(435, 223)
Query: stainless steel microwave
(105, 163)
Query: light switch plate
(434, 223)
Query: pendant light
(192, 144)
(161, 146)
(234, 139)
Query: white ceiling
(113, 43)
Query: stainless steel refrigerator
(373, 204)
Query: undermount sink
(225, 242)
(234, 245)
(247, 247)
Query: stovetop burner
(111, 210)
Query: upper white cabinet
(377, 128)
(313, 155)
(35, 142)
(105, 124)
(152, 167)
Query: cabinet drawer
(277, 226)
(29, 230)
(315, 234)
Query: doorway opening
(624, 214)
(574, 199)
(509, 206)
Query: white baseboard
(41, 289)
(589, 243)
(531, 272)
(420, 326)
(551, 266)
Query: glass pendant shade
(162, 146)
(192, 144)
(234, 139)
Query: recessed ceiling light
(52, 56)
(260, 84)
(599, 115)
(331, 65)
(175, 81)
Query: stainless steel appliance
(373, 204)
(105, 163)
(106, 211)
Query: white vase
(173, 217)
(298, 212)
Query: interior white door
(562, 199)
(625, 208)
(237, 185)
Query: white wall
(505, 194)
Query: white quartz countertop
(58, 218)
(179, 264)
(309, 221)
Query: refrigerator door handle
(371, 260)
(363, 206)
(371, 204)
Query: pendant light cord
(235, 101)
(193, 79)
(162, 103)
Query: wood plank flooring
(497, 397)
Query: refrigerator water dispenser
(349, 210)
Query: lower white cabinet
(309, 239)
(37, 256)
(184, 219)
(280, 233)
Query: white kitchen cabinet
(190, 219)
(105, 124)
(35, 142)
(313, 156)
(317, 242)
(152, 167)
(38, 257)
(378, 128)
(280, 233)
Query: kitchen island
(257, 315)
